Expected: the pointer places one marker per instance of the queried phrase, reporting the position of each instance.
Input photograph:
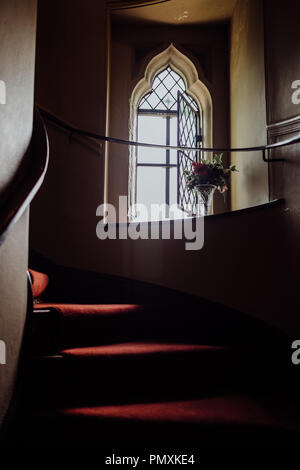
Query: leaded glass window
(159, 173)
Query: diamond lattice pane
(187, 137)
(165, 88)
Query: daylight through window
(166, 115)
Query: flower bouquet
(205, 177)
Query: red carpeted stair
(112, 375)
(140, 370)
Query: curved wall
(248, 104)
(17, 53)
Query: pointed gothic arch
(181, 64)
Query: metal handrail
(263, 148)
(129, 5)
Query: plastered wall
(17, 54)
(248, 104)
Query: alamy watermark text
(154, 226)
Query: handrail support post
(270, 160)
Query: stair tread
(139, 348)
(64, 326)
(88, 309)
(175, 369)
(227, 410)
(222, 421)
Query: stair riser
(80, 380)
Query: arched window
(166, 113)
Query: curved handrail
(51, 117)
(130, 4)
(28, 178)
